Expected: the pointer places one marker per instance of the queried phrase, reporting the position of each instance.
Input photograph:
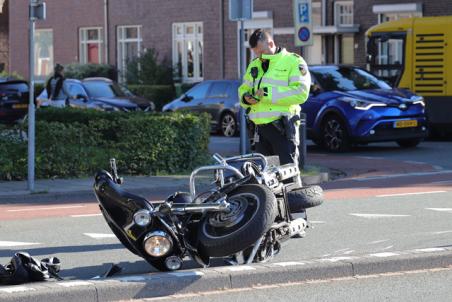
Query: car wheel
(228, 125)
(334, 135)
(408, 143)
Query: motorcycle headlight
(361, 104)
(157, 244)
(142, 218)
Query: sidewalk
(329, 167)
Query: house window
(91, 44)
(43, 53)
(188, 50)
(129, 47)
(343, 13)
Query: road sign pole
(31, 105)
(243, 132)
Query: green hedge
(75, 143)
(159, 94)
(81, 71)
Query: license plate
(405, 124)
(20, 106)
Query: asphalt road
(341, 229)
(428, 285)
(361, 217)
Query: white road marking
(288, 263)
(377, 215)
(316, 222)
(240, 268)
(441, 182)
(335, 259)
(430, 250)
(384, 255)
(441, 232)
(414, 193)
(45, 209)
(414, 162)
(378, 241)
(85, 215)
(14, 243)
(74, 283)
(401, 175)
(387, 248)
(99, 236)
(16, 289)
(440, 209)
(186, 274)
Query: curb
(88, 195)
(224, 278)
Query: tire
(335, 137)
(304, 198)
(255, 211)
(228, 125)
(408, 143)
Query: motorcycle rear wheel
(253, 211)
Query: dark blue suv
(349, 106)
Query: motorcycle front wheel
(252, 212)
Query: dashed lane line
(32, 209)
(377, 215)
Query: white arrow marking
(440, 209)
(415, 193)
(99, 236)
(13, 243)
(377, 215)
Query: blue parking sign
(303, 13)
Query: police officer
(274, 86)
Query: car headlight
(361, 104)
(157, 244)
(106, 107)
(418, 100)
(142, 218)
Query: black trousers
(273, 141)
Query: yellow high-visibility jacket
(287, 82)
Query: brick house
(195, 35)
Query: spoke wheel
(228, 125)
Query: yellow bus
(416, 54)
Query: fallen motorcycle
(244, 219)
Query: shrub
(149, 70)
(74, 142)
(81, 71)
(159, 94)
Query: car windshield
(346, 79)
(103, 89)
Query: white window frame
(38, 61)
(121, 42)
(83, 38)
(185, 38)
(338, 15)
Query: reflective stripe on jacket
(287, 82)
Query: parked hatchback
(348, 105)
(219, 98)
(13, 100)
(79, 95)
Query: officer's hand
(259, 93)
(250, 100)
